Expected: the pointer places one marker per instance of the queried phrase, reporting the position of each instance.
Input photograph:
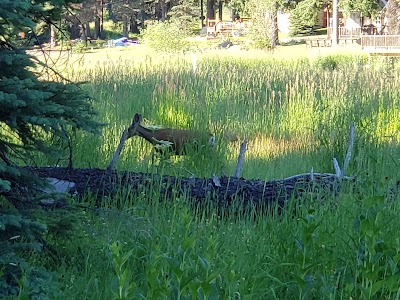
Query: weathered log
(243, 149)
(199, 190)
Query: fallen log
(222, 192)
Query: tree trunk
(102, 19)
(84, 34)
(96, 33)
(202, 13)
(220, 10)
(335, 23)
(53, 36)
(392, 16)
(163, 10)
(233, 14)
(133, 26)
(142, 17)
(74, 31)
(86, 28)
(274, 38)
(210, 9)
(125, 26)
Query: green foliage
(185, 16)
(377, 269)
(36, 114)
(258, 41)
(20, 235)
(126, 287)
(23, 15)
(238, 5)
(295, 114)
(341, 249)
(304, 16)
(32, 245)
(36, 110)
(62, 32)
(166, 37)
(366, 7)
(79, 47)
(263, 32)
(335, 62)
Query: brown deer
(174, 141)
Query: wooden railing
(220, 28)
(389, 42)
(346, 33)
(388, 45)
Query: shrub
(165, 37)
(263, 33)
(333, 62)
(18, 235)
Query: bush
(263, 32)
(20, 235)
(333, 62)
(165, 37)
(260, 42)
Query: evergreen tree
(34, 113)
(186, 15)
(304, 16)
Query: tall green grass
(287, 110)
(296, 116)
(162, 250)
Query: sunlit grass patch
(295, 115)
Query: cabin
(371, 33)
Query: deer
(164, 140)
(173, 141)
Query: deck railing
(381, 43)
(346, 33)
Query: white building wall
(283, 22)
(354, 20)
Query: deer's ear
(137, 118)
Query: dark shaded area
(225, 45)
(223, 193)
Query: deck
(222, 29)
(384, 45)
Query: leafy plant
(20, 235)
(263, 32)
(126, 286)
(378, 257)
(165, 37)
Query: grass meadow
(295, 114)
